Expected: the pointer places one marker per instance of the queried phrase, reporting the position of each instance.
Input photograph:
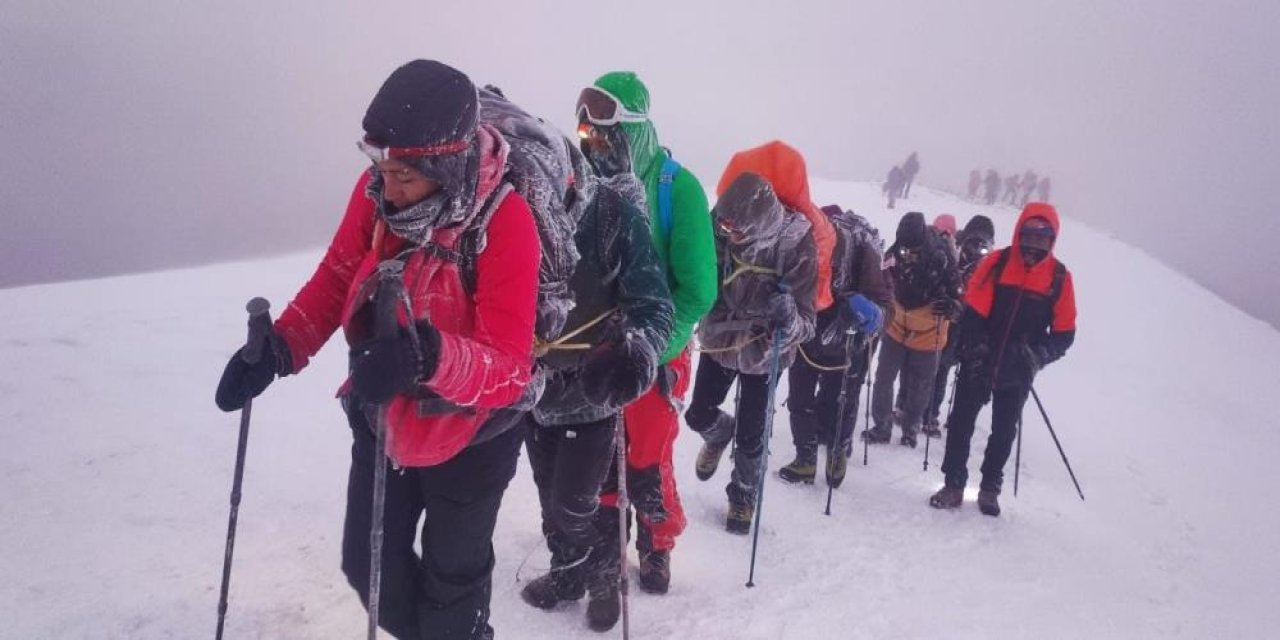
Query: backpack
(543, 166)
(854, 234)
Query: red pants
(652, 426)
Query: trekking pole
(775, 356)
(937, 339)
(838, 428)
(1062, 453)
(1017, 459)
(387, 326)
(620, 444)
(866, 423)
(259, 327)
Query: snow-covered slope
(116, 470)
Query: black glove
(242, 381)
(617, 372)
(644, 490)
(946, 307)
(383, 368)
(972, 350)
(782, 308)
(1035, 356)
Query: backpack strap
(666, 184)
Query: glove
(867, 316)
(973, 350)
(242, 381)
(782, 308)
(946, 307)
(386, 367)
(644, 490)
(617, 372)
(1036, 357)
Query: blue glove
(867, 316)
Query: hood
(642, 136)
(946, 223)
(911, 230)
(980, 226)
(752, 208)
(1035, 210)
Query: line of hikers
(901, 177)
(1018, 189)
(549, 293)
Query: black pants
(1006, 413)
(710, 388)
(813, 401)
(934, 410)
(569, 466)
(445, 593)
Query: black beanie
(911, 230)
(979, 226)
(424, 104)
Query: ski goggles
(1036, 233)
(378, 153)
(603, 109)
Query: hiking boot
(837, 465)
(947, 497)
(545, 592)
(717, 437)
(988, 502)
(605, 606)
(803, 469)
(877, 435)
(932, 430)
(655, 571)
(908, 440)
(742, 508)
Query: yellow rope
(742, 267)
(732, 347)
(818, 366)
(562, 343)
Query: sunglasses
(603, 109)
(378, 153)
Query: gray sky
(143, 135)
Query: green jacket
(689, 254)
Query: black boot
(605, 605)
(948, 497)
(988, 502)
(558, 585)
(877, 435)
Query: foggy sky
(140, 135)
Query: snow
(117, 468)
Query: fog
(139, 136)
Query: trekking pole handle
(259, 326)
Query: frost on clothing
(784, 168)
(621, 287)
(486, 337)
(553, 177)
(775, 257)
(688, 249)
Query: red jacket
(486, 338)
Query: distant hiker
(1012, 188)
(680, 224)
(1029, 183)
(768, 266)
(1042, 191)
(894, 184)
(910, 169)
(836, 356)
(926, 293)
(975, 242)
(437, 176)
(975, 183)
(621, 323)
(1020, 315)
(992, 186)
